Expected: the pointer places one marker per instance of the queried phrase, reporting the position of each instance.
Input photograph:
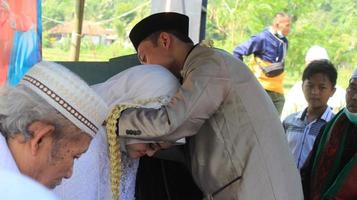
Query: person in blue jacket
(269, 48)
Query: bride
(144, 85)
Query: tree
(329, 23)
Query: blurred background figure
(295, 100)
(302, 127)
(269, 48)
(331, 170)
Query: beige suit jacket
(234, 128)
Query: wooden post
(203, 20)
(77, 30)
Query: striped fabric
(301, 135)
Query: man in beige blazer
(236, 143)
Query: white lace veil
(151, 84)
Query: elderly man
(47, 121)
(269, 48)
(331, 172)
(237, 148)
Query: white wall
(191, 8)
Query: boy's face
(317, 90)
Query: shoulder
(138, 74)
(141, 70)
(292, 118)
(260, 37)
(17, 186)
(211, 58)
(202, 54)
(328, 114)
(202, 60)
(264, 34)
(214, 63)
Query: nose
(314, 90)
(150, 152)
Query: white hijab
(90, 180)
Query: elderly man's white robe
(7, 162)
(14, 185)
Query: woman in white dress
(143, 85)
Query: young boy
(301, 128)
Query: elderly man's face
(56, 157)
(351, 96)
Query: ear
(39, 131)
(165, 40)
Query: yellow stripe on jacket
(274, 84)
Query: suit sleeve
(252, 46)
(202, 92)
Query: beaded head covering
(68, 94)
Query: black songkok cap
(165, 21)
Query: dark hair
(320, 67)
(154, 36)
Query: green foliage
(99, 10)
(129, 16)
(57, 10)
(328, 23)
(120, 15)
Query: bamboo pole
(77, 30)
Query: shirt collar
(273, 32)
(301, 115)
(326, 116)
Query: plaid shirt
(301, 135)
